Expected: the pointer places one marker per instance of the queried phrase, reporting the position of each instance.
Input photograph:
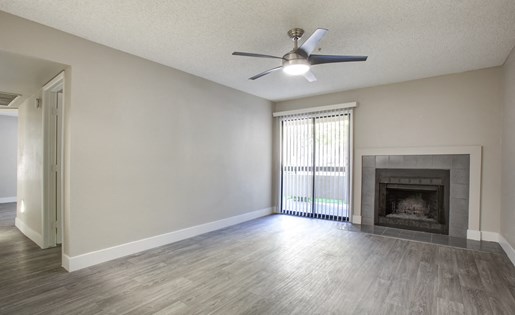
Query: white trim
(65, 262)
(92, 258)
(475, 152)
(50, 134)
(498, 238)
(315, 109)
(490, 236)
(356, 219)
(510, 252)
(55, 82)
(28, 232)
(474, 235)
(8, 199)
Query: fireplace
(414, 199)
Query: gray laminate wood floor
(273, 265)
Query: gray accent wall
(8, 156)
(458, 164)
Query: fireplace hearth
(414, 199)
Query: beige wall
(508, 153)
(8, 154)
(148, 149)
(452, 110)
(30, 165)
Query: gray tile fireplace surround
(458, 164)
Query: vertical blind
(315, 164)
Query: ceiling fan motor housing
(295, 64)
(294, 58)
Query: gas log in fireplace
(413, 199)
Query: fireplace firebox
(413, 199)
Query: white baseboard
(8, 199)
(65, 262)
(490, 236)
(496, 237)
(89, 259)
(356, 219)
(507, 249)
(28, 232)
(474, 235)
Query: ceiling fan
(300, 59)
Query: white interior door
(53, 102)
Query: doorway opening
(8, 164)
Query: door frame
(350, 170)
(53, 136)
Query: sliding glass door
(315, 153)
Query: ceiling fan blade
(257, 76)
(245, 54)
(321, 59)
(312, 42)
(310, 76)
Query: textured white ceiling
(404, 39)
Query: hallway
(22, 261)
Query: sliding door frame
(350, 170)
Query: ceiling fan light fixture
(296, 69)
(294, 64)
